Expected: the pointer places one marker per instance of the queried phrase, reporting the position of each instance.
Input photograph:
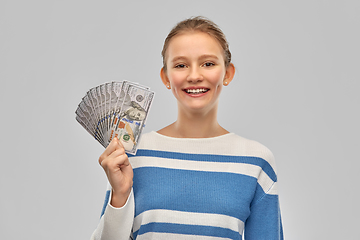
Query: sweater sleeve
(116, 223)
(264, 222)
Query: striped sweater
(223, 187)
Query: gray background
(295, 91)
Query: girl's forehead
(193, 42)
(193, 37)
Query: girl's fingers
(114, 145)
(116, 160)
(118, 157)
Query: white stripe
(273, 190)
(265, 181)
(217, 146)
(228, 167)
(188, 218)
(167, 236)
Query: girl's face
(196, 71)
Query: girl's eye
(180, 66)
(208, 64)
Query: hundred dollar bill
(102, 107)
(129, 123)
(116, 103)
(121, 98)
(115, 109)
(108, 107)
(83, 119)
(87, 108)
(95, 101)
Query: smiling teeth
(196, 91)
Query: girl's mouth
(196, 90)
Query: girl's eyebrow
(205, 56)
(178, 58)
(208, 56)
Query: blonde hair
(200, 24)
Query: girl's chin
(198, 107)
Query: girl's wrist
(118, 200)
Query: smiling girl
(192, 179)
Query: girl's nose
(195, 75)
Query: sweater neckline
(193, 139)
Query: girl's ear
(229, 75)
(165, 78)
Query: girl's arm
(118, 214)
(115, 223)
(264, 222)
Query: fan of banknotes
(116, 109)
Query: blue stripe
(188, 229)
(107, 196)
(192, 191)
(266, 167)
(264, 213)
(259, 193)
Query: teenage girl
(192, 179)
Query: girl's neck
(194, 125)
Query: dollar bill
(115, 109)
(87, 106)
(130, 121)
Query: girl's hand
(119, 172)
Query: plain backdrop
(296, 90)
